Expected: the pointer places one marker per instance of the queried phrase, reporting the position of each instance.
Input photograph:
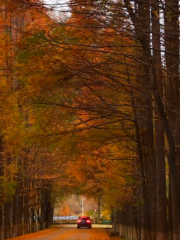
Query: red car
(84, 221)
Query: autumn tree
(24, 196)
(106, 83)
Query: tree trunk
(7, 219)
(14, 217)
(1, 222)
(172, 74)
(1, 173)
(145, 220)
(141, 36)
(26, 218)
(32, 220)
(170, 219)
(162, 226)
(99, 209)
(19, 213)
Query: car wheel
(89, 227)
(78, 227)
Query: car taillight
(88, 221)
(78, 220)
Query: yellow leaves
(97, 175)
(69, 81)
(7, 179)
(65, 210)
(106, 214)
(156, 14)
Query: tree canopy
(90, 106)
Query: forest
(90, 105)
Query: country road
(69, 232)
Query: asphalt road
(69, 232)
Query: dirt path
(69, 232)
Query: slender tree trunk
(172, 73)
(146, 208)
(144, 24)
(170, 219)
(162, 226)
(43, 208)
(48, 214)
(26, 217)
(7, 219)
(19, 212)
(32, 220)
(99, 209)
(167, 123)
(1, 174)
(1, 222)
(14, 217)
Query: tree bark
(162, 226)
(166, 124)
(1, 222)
(172, 76)
(99, 209)
(7, 219)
